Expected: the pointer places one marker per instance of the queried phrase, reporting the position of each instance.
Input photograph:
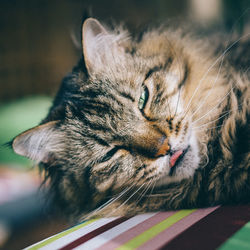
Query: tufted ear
(99, 46)
(37, 143)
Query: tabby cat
(147, 123)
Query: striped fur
(111, 151)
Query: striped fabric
(225, 228)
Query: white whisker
(223, 115)
(178, 100)
(126, 200)
(209, 69)
(152, 189)
(214, 106)
(211, 127)
(209, 92)
(144, 191)
(108, 203)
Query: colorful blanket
(223, 228)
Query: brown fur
(103, 146)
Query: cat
(147, 123)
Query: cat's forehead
(153, 58)
(130, 73)
(135, 71)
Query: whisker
(223, 115)
(209, 92)
(211, 127)
(179, 93)
(237, 21)
(215, 105)
(209, 69)
(145, 191)
(108, 203)
(246, 70)
(153, 186)
(221, 101)
(179, 69)
(151, 192)
(127, 199)
(92, 213)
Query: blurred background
(37, 48)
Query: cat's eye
(110, 154)
(143, 98)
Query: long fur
(112, 156)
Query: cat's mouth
(175, 158)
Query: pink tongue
(175, 157)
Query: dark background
(36, 48)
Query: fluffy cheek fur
(122, 171)
(126, 170)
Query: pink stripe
(136, 230)
(167, 235)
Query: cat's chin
(183, 169)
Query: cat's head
(123, 121)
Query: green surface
(16, 117)
(153, 231)
(240, 240)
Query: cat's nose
(164, 147)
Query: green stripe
(240, 240)
(60, 235)
(156, 229)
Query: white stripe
(103, 238)
(77, 234)
(38, 243)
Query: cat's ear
(37, 143)
(93, 39)
(99, 45)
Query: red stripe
(136, 230)
(180, 226)
(94, 233)
(210, 232)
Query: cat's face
(126, 122)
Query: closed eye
(110, 154)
